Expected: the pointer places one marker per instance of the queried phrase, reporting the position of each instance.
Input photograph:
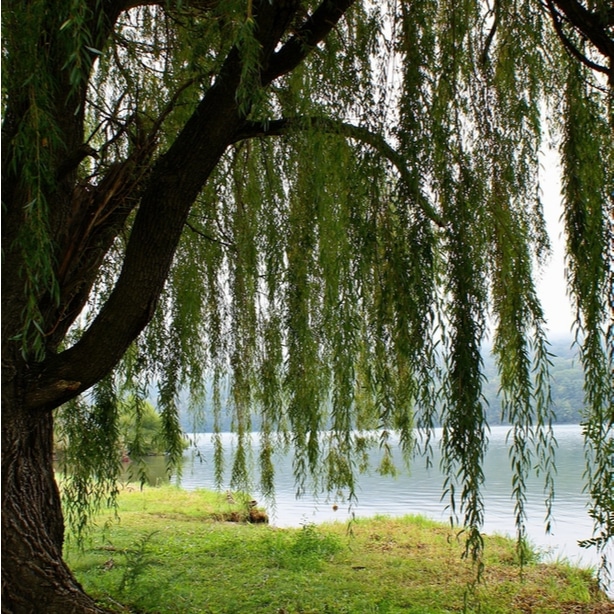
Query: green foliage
(31, 83)
(89, 460)
(586, 187)
(137, 561)
(376, 215)
(140, 428)
(91, 442)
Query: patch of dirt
(253, 516)
(527, 605)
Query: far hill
(567, 392)
(567, 384)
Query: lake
(419, 491)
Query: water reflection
(153, 471)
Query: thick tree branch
(315, 28)
(592, 25)
(173, 185)
(283, 126)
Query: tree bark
(35, 578)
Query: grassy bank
(173, 552)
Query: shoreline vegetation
(169, 550)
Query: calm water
(419, 492)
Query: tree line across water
(567, 385)
(146, 433)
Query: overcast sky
(552, 285)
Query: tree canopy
(331, 203)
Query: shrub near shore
(173, 552)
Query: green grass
(170, 552)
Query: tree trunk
(35, 578)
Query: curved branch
(208, 237)
(556, 20)
(590, 24)
(491, 35)
(283, 126)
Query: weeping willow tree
(328, 204)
